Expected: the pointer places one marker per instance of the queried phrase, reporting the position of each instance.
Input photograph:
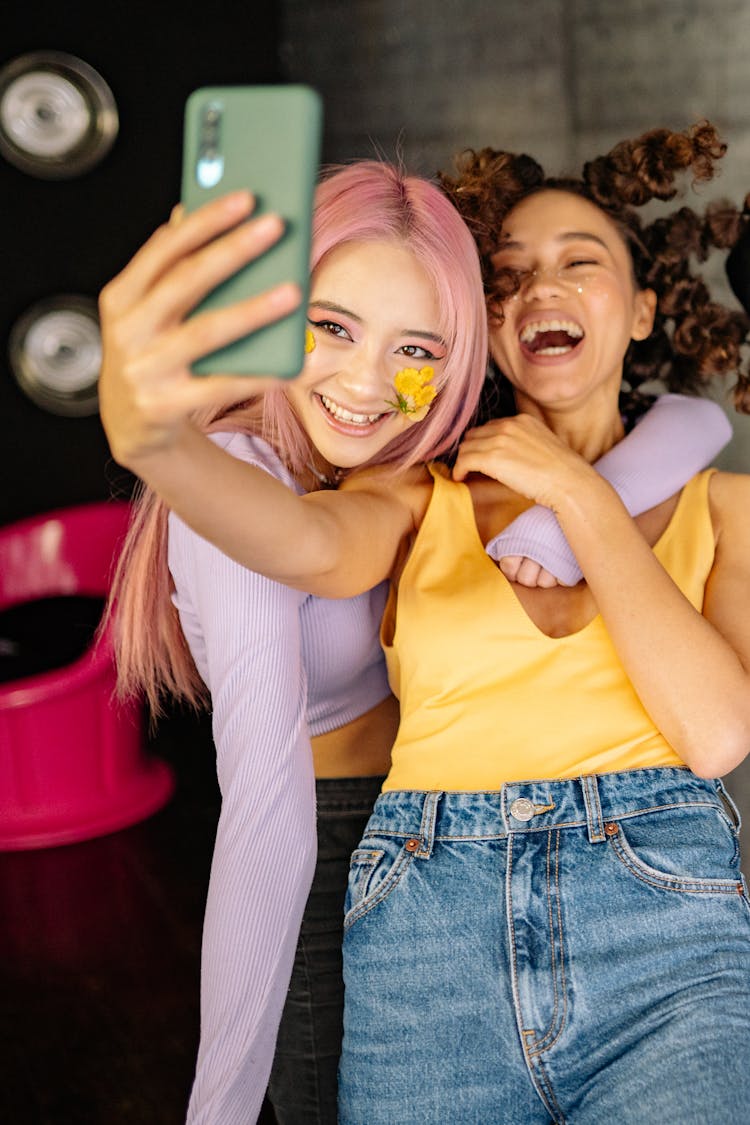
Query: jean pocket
(685, 849)
(373, 873)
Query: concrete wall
(560, 79)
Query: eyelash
(333, 328)
(520, 272)
(409, 349)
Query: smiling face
(567, 328)
(372, 312)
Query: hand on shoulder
(524, 454)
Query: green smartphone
(266, 139)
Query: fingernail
(239, 202)
(285, 295)
(268, 226)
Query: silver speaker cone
(58, 117)
(55, 354)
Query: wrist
(158, 448)
(590, 500)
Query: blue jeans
(558, 951)
(302, 1088)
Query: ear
(644, 311)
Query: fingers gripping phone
(265, 139)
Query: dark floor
(99, 961)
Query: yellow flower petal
(418, 415)
(413, 393)
(309, 342)
(407, 381)
(424, 396)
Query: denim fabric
(581, 956)
(302, 1087)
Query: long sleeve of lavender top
(244, 633)
(280, 666)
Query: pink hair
(367, 201)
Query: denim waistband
(592, 801)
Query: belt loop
(594, 819)
(427, 827)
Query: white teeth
(529, 331)
(346, 415)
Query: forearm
(248, 514)
(260, 879)
(333, 544)
(672, 442)
(245, 634)
(687, 676)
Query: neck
(590, 430)
(322, 475)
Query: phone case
(266, 139)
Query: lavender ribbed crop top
(341, 654)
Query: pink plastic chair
(72, 759)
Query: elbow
(721, 753)
(715, 418)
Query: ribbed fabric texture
(677, 438)
(252, 640)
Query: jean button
(522, 809)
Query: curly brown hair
(694, 338)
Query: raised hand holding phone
(193, 289)
(146, 387)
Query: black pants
(302, 1088)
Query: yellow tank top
(486, 697)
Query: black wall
(72, 236)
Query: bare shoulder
(726, 489)
(729, 497)
(410, 488)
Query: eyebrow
(567, 236)
(332, 306)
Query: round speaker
(55, 354)
(58, 117)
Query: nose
(366, 375)
(547, 281)
(541, 281)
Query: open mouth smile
(348, 417)
(550, 337)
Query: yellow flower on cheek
(414, 392)
(309, 342)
